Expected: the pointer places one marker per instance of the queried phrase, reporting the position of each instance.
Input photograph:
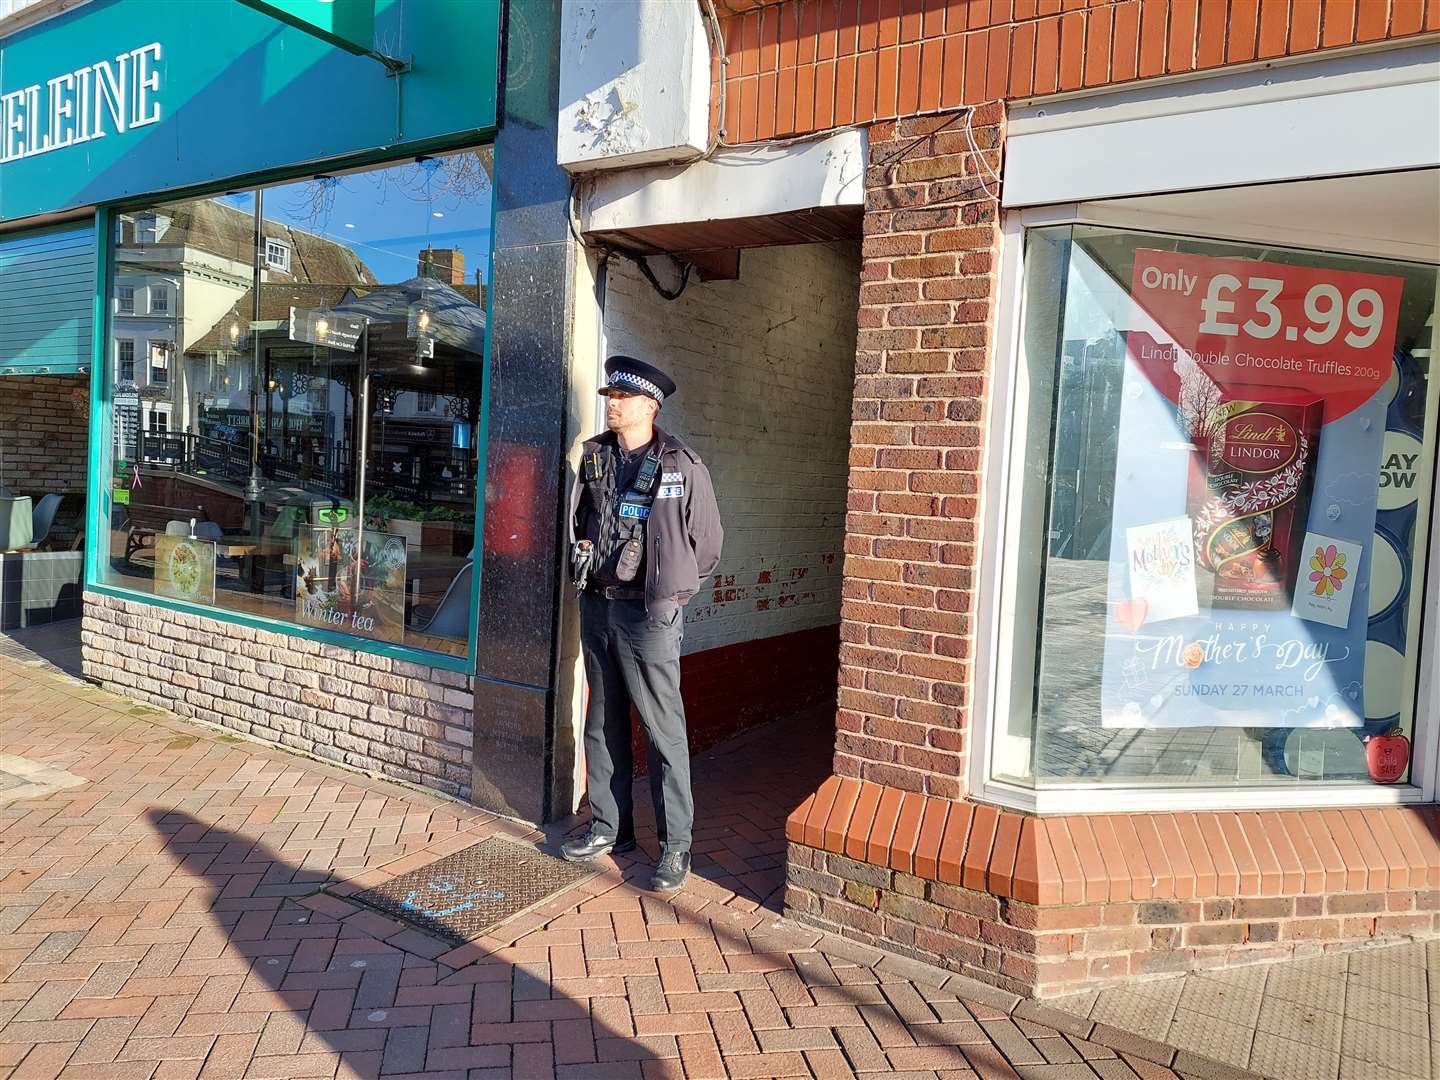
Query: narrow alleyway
(161, 916)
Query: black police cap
(631, 376)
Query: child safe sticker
(1326, 583)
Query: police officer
(644, 531)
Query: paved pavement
(1367, 1015)
(161, 917)
(54, 646)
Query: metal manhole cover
(460, 897)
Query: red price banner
(1242, 322)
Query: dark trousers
(631, 657)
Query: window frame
(121, 360)
(166, 353)
(160, 300)
(124, 304)
(102, 393)
(283, 265)
(996, 594)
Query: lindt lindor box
(1249, 493)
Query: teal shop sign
(125, 98)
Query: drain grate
(460, 897)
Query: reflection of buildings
(1087, 406)
(178, 271)
(424, 407)
(187, 327)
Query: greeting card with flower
(1326, 580)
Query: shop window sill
(1099, 858)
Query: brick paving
(164, 920)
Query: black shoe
(593, 845)
(671, 872)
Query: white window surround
(1362, 111)
(996, 601)
(277, 254)
(1075, 158)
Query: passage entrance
(47, 289)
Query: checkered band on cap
(624, 380)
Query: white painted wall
(765, 367)
(634, 83)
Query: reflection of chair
(143, 521)
(452, 616)
(42, 518)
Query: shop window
(125, 360)
(1224, 459)
(323, 498)
(277, 255)
(125, 299)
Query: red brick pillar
(887, 851)
(927, 296)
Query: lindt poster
(1252, 424)
(349, 581)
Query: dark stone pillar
(514, 734)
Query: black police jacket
(683, 534)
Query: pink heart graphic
(1131, 613)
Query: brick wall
(44, 433)
(399, 720)
(1045, 951)
(806, 65)
(765, 367)
(732, 688)
(928, 284)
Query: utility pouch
(628, 565)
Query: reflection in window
(1219, 554)
(125, 299)
(324, 394)
(160, 362)
(277, 255)
(125, 359)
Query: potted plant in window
(431, 528)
